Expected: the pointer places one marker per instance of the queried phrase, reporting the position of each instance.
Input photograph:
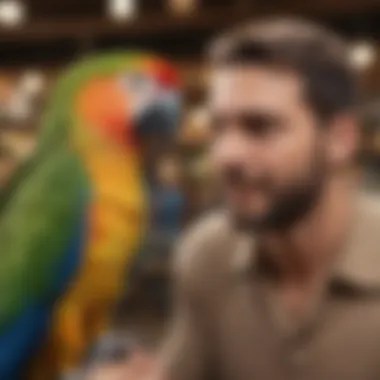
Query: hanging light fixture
(12, 13)
(362, 55)
(121, 10)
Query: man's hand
(139, 367)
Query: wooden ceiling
(57, 31)
(95, 8)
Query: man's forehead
(254, 86)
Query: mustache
(241, 177)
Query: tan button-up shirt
(226, 328)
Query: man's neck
(308, 249)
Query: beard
(289, 204)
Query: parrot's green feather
(59, 117)
(39, 207)
(35, 226)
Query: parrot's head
(118, 100)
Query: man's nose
(232, 148)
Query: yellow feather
(118, 218)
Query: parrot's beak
(157, 126)
(162, 117)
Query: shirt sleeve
(184, 351)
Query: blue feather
(19, 344)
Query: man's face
(267, 145)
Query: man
(286, 283)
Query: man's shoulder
(361, 262)
(203, 249)
(369, 219)
(370, 205)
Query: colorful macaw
(74, 215)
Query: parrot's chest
(116, 220)
(116, 224)
(115, 228)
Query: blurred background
(39, 37)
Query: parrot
(74, 215)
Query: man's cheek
(216, 158)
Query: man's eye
(259, 125)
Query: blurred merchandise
(32, 83)
(182, 7)
(21, 143)
(5, 89)
(195, 130)
(8, 164)
(20, 107)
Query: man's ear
(343, 139)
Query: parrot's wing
(37, 226)
(18, 176)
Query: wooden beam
(102, 27)
(160, 24)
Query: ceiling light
(121, 10)
(12, 13)
(362, 55)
